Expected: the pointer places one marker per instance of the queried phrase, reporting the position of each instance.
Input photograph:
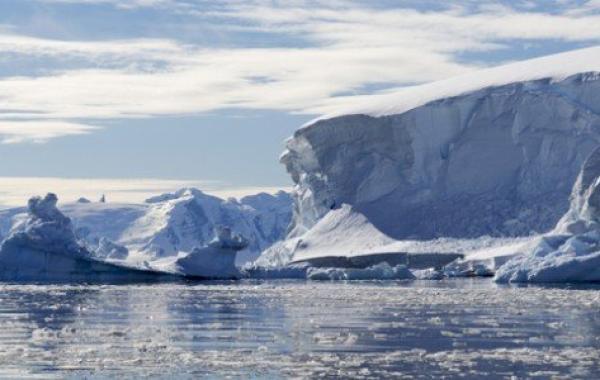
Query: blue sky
(178, 92)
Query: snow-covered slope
(494, 153)
(556, 67)
(170, 223)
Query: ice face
(571, 252)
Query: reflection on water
(273, 329)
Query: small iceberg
(216, 260)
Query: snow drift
(571, 252)
(494, 153)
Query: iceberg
(447, 167)
(44, 248)
(168, 224)
(571, 252)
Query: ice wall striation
(498, 161)
(571, 252)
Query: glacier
(472, 164)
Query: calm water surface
(283, 329)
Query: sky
(135, 97)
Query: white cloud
(126, 51)
(12, 132)
(15, 191)
(124, 4)
(348, 47)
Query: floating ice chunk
(428, 274)
(382, 271)
(295, 271)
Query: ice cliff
(494, 153)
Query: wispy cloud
(12, 132)
(124, 4)
(347, 46)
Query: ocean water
(297, 329)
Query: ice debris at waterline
(571, 252)
(44, 247)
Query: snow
(571, 252)
(344, 238)
(108, 249)
(186, 219)
(554, 67)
